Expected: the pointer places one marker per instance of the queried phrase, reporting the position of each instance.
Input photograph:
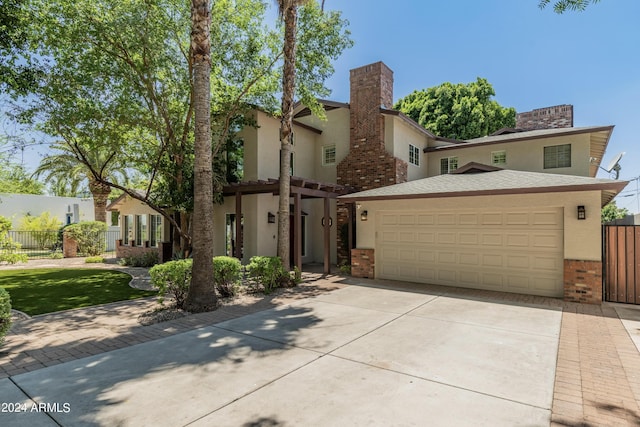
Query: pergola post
(239, 237)
(297, 231)
(327, 236)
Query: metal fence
(48, 244)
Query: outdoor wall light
(363, 215)
(582, 213)
(271, 218)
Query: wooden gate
(621, 255)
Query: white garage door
(509, 250)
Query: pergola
(301, 188)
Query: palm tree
(288, 10)
(201, 296)
(67, 172)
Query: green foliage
(227, 274)
(147, 259)
(345, 269)
(5, 314)
(45, 290)
(14, 179)
(172, 278)
(9, 248)
(57, 254)
(459, 111)
(268, 272)
(90, 236)
(94, 260)
(561, 6)
(43, 229)
(612, 212)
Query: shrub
(147, 259)
(5, 314)
(172, 278)
(94, 260)
(90, 236)
(8, 248)
(268, 272)
(56, 255)
(227, 272)
(42, 228)
(345, 269)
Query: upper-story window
(414, 155)
(448, 165)
(557, 156)
(328, 155)
(499, 158)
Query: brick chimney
(368, 165)
(559, 116)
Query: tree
(288, 10)
(459, 111)
(70, 169)
(202, 296)
(15, 179)
(612, 212)
(561, 6)
(16, 73)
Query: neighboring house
(409, 214)
(67, 210)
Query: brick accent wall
(583, 281)
(363, 263)
(559, 116)
(368, 165)
(123, 251)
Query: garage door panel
(510, 250)
(517, 239)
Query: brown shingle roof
(490, 183)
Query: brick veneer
(123, 251)
(363, 263)
(69, 246)
(560, 116)
(583, 281)
(368, 164)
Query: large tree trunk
(290, 15)
(202, 295)
(100, 193)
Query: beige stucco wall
(523, 155)
(335, 130)
(131, 206)
(582, 238)
(402, 134)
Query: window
(155, 230)
(448, 165)
(557, 156)
(328, 155)
(414, 155)
(498, 158)
(141, 229)
(127, 230)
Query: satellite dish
(614, 165)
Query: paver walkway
(597, 374)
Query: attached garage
(511, 250)
(486, 228)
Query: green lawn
(45, 290)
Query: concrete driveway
(356, 356)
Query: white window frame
(155, 230)
(557, 156)
(414, 155)
(452, 164)
(325, 150)
(499, 157)
(141, 229)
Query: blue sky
(533, 58)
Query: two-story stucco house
(515, 211)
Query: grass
(45, 290)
